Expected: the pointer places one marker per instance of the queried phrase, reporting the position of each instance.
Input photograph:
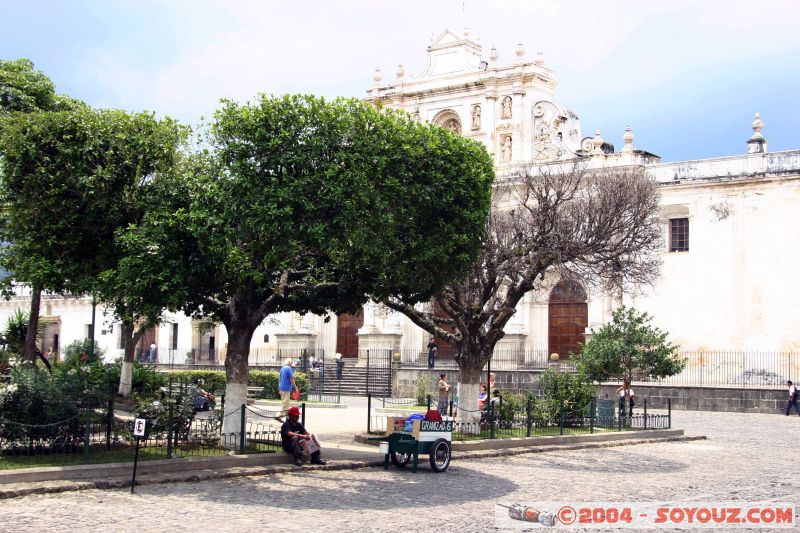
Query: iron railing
(529, 417)
(100, 435)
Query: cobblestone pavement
(747, 457)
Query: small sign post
(138, 432)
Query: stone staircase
(354, 381)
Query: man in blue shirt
(286, 384)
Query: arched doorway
(567, 318)
(347, 333)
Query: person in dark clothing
(339, 365)
(794, 398)
(432, 349)
(292, 432)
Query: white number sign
(138, 427)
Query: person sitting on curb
(292, 432)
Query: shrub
(509, 406)
(268, 381)
(36, 407)
(572, 390)
(79, 351)
(422, 391)
(157, 414)
(213, 380)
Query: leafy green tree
(70, 181)
(23, 89)
(307, 205)
(26, 90)
(629, 348)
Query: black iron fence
(528, 416)
(103, 435)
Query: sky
(686, 75)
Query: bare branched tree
(597, 226)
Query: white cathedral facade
(730, 232)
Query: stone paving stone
(747, 457)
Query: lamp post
(91, 350)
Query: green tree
(307, 205)
(629, 348)
(70, 181)
(26, 90)
(23, 89)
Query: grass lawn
(98, 454)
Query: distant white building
(730, 230)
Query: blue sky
(686, 75)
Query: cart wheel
(400, 459)
(440, 455)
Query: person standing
(444, 390)
(432, 349)
(625, 392)
(794, 393)
(152, 355)
(483, 395)
(286, 384)
(339, 365)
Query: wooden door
(568, 316)
(347, 333)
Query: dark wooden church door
(568, 316)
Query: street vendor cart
(403, 444)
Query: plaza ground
(747, 457)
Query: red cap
(293, 411)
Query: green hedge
(215, 380)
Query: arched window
(567, 318)
(448, 119)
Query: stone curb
(52, 487)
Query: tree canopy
(300, 204)
(70, 181)
(629, 348)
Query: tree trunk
(126, 373)
(470, 379)
(236, 372)
(29, 348)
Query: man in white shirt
(793, 397)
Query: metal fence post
(169, 430)
(242, 428)
(451, 407)
(303, 413)
(369, 412)
(645, 414)
(561, 417)
(109, 421)
(491, 420)
(529, 415)
(389, 374)
(669, 413)
(429, 402)
(86, 436)
(592, 406)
